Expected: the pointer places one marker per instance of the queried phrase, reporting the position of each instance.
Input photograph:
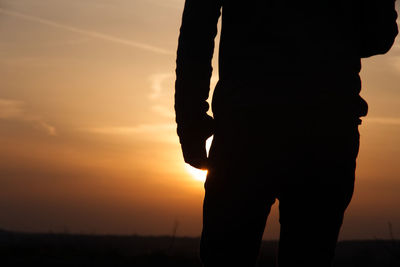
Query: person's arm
(193, 73)
(378, 27)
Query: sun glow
(197, 174)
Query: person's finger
(196, 157)
(198, 163)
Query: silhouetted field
(23, 249)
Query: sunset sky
(87, 130)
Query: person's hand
(193, 142)
(195, 154)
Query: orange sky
(87, 132)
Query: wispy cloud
(383, 120)
(163, 110)
(159, 93)
(157, 84)
(162, 88)
(150, 132)
(88, 33)
(175, 4)
(138, 129)
(15, 110)
(69, 42)
(10, 109)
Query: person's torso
(274, 50)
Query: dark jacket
(272, 50)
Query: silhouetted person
(286, 114)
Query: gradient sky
(87, 132)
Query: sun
(199, 175)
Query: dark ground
(26, 249)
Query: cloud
(383, 120)
(158, 90)
(175, 4)
(69, 42)
(10, 109)
(158, 95)
(138, 129)
(164, 132)
(164, 111)
(88, 33)
(157, 81)
(15, 110)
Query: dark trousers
(306, 160)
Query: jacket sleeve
(193, 66)
(378, 27)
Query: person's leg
(236, 203)
(312, 206)
(310, 226)
(233, 226)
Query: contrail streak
(93, 34)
